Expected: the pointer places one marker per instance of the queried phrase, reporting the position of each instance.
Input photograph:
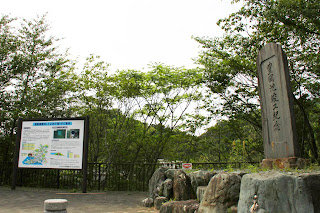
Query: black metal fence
(101, 176)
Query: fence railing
(101, 176)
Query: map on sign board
(51, 144)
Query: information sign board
(56, 144)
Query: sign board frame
(52, 143)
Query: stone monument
(276, 98)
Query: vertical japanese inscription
(273, 101)
(274, 98)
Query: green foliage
(253, 169)
(35, 79)
(231, 140)
(230, 62)
(229, 168)
(313, 167)
(134, 116)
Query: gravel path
(31, 200)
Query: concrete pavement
(32, 200)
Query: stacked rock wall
(271, 191)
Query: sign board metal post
(16, 156)
(85, 155)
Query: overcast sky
(128, 34)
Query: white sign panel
(51, 144)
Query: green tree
(111, 126)
(36, 80)
(133, 114)
(164, 102)
(230, 60)
(8, 47)
(183, 147)
(229, 141)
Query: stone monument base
(284, 163)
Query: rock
(167, 189)
(200, 192)
(312, 181)
(281, 163)
(233, 209)
(186, 206)
(240, 173)
(277, 192)
(170, 173)
(55, 205)
(182, 189)
(221, 193)
(159, 201)
(200, 178)
(155, 182)
(148, 202)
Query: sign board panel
(187, 166)
(56, 144)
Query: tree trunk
(314, 148)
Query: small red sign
(187, 165)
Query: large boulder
(182, 189)
(312, 181)
(200, 178)
(159, 201)
(166, 189)
(148, 202)
(200, 192)
(186, 206)
(276, 192)
(155, 182)
(170, 173)
(221, 193)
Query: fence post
(99, 177)
(58, 179)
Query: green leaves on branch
(160, 92)
(134, 114)
(229, 61)
(35, 78)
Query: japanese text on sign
(274, 98)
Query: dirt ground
(31, 200)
